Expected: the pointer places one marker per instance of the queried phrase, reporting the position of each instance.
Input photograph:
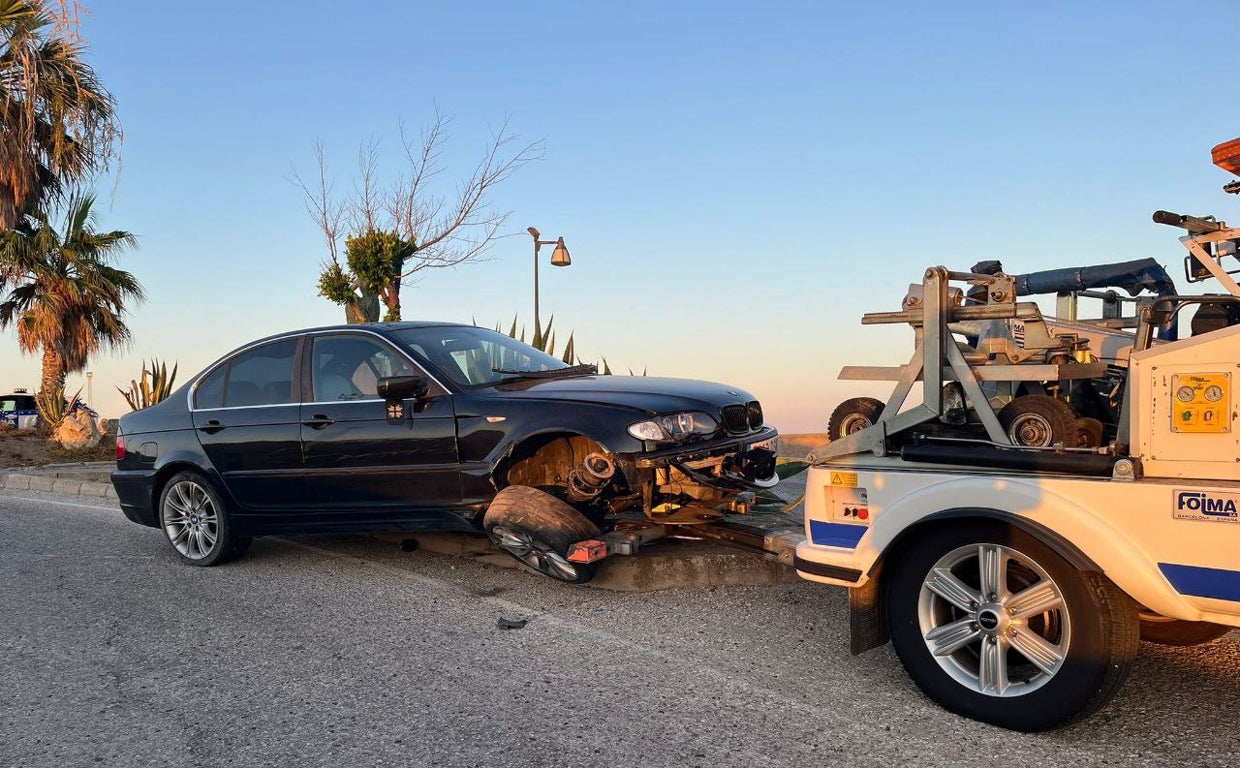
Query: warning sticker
(846, 479)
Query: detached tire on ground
(537, 529)
(1040, 421)
(993, 624)
(1164, 631)
(853, 415)
(195, 521)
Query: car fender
(169, 462)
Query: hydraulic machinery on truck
(1063, 489)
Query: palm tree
(57, 121)
(63, 296)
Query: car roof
(403, 325)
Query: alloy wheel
(191, 520)
(994, 620)
(533, 552)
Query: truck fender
(1073, 530)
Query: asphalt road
(346, 652)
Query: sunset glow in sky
(737, 182)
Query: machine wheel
(853, 415)
(1039, 420)
(1089, 432)
(537, 529)
(993, 624)
(1165, 631)
(195, 521)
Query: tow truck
(1062, 490)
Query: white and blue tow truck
(1063, 489)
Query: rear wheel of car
(1165, 631)
(537, 529)
(993, 624)
(195, 521)
(853, 415)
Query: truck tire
(1165, 631)
(993, 624)
(537, 529)
(1040, 421)
(853, 415)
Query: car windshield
(477, 357)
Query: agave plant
(154, 387)
(544, 341)
(53, 407)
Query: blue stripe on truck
(836, 534)
(1215, 583)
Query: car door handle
(212, 426)
(318, 421)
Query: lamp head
(560, 258)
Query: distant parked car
(18, 410)
(408, 426)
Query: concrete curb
(20, 481)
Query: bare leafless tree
(378, 237)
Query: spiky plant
(53, 407)
(154, 386)
(544, 341)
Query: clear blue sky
(737, 182)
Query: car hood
(643, 393)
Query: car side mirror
(396, 390)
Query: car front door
(357, 462)
(246, 415)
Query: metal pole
(537, 323)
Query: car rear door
(358, 463)
(246, 415)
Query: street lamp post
(559, 258)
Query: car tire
(993, 660)
(1165, 631)
(853, 415)
(537, 529)
(195, 521)
(1040, 421)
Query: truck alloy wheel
(537, 529)
(993, 624)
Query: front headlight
(674, 427)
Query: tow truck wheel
(1040, 421)
(1165, 631)
(853, 415)
(993, 624)
(537, 529)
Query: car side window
(349, 367)
(210, 391)
(262, 376)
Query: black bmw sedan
(417, 426)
